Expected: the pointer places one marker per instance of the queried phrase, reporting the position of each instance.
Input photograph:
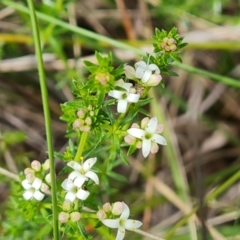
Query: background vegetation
(198, 171)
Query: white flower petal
(140, 69)
(147, 74)
(38, 196)
(129, 72)
(119, 82)
(154, 67)
(28, 194)
(122, 106)
(116, 94)
(120, 233)
(112, 223)
(82, 194)
(72, 176)
(126, 212)
(152, 125)
(92, 175)
(89, 163)
(136, 132)
(37, 183)
(70, 196)
(132, 224)
(146, 147)
(79, 181)
(132, 97)
(67, 185)
(26, 184)
(74, 165)
(159, 139)
(127, 86)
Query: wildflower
(128, 95)
(144, 71)
(149, 134)
(73, 191)
(83, 170)
(122, 223)
(32, 189)
(148, 73)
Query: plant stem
(47, 117)
(81, 145)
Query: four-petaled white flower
(128, 95)
(32, 190)
(82, 170)
(144, 71)
(122, 223)
(149, 134)
(73, 191)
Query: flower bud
(154, 148)
(171, 41)
(165, 40)
(144, 122)
(81, 112)
(101, 215)
(129, 72)
(173, 47)
(138, 144)
(30, 176)
(28, 170)
(36, 165)
(88, 121)
(63, 217)
(48, 178)
(129, 139)
(75, 216)
(66, 206)
(46, 165)
(117, 208)
(107, 207)
(154, 80)
(167, 48)
(44, 188)
(160, 128)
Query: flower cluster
(84, 121)
(36, 183)
(74, 184)
(116, 216)
(147, 136)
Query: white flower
(149, 135)
(73, 191)
(82, 172)
(32, 190)
(122, 223)
(144, 71)
(124, 97)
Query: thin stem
(47, 117)
(81, 145)
(148, 235)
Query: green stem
(81, 145)
(47, 117)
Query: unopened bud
(154, 80)
(107, 207)
(28, 170)
(75, 216)
(144, 122)
(46, 165)
(63, 217)
(171, 41)
(81, 112)
(117, 208)
(129, 139)
(66, 206)
(88, 121)
(173, 47)
(44, 188)
(48, 178)
(36, 165)
(30, 176)
(101, 215)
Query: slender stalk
(47, 117)
(81, 145)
